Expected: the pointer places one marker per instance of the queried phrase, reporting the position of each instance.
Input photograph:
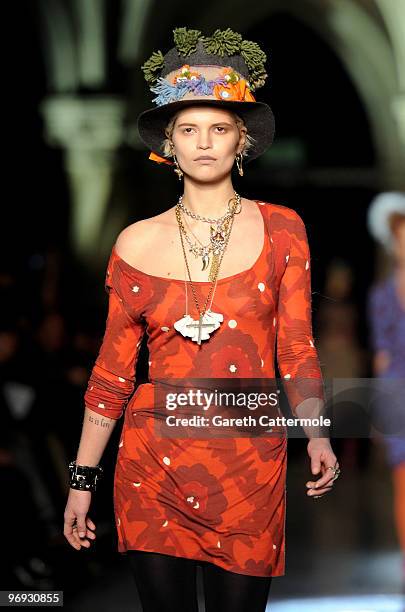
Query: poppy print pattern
(221, 500)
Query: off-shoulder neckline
(220, 280)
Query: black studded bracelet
(84, 477)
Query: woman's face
(209, 131)
(399, 242)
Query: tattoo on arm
(101, 421)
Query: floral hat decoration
(220, 70)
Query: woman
(386, 315)
(179, 501)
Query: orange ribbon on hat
(160, 160)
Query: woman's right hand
(77, 506)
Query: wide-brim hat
(380, 210)
(219, 71)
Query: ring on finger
(335, 470)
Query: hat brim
(258, 118)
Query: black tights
(168, 584)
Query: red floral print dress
(221, 500)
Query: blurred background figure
(386, 314)
(340, 347)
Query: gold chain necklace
(217, 234)
(208, 320)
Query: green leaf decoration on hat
(255, 59)
(153, 65)
(223, 42)
(186, 40)
(230, 43)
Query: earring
(239, 163)
(177, 170)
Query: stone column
(90, 130)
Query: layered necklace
(220, 231)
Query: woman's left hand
(323, 459)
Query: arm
(110, 385)
(112, 380)
(297, 357)
(96, 432)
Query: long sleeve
(297, 357)
(112, 379)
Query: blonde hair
(165, 146)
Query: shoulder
(280, 210)
(283, 218)
(135, 237)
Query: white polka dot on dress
(232, 323)
(166, 460)
(191, 500)
(261, 286)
